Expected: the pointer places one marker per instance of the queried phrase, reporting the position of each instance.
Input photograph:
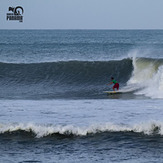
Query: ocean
(54, 107)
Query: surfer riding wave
(116, 84)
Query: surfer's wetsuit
(116, 84)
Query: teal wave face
(79, 78)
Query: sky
(84, 14)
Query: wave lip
(150, 128)
(147, 77)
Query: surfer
(116, 84)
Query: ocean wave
(63, 71)
(39, 131)
(142, 76)
(62, 79)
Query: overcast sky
(85, 14)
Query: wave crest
(40, 131)
(147, 77)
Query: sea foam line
(46, 130)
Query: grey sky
(85, 14)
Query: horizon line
(84, 29)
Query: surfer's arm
(110, 83)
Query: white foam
(147, 77)
(154, 86)
(45, 130)
(143, 71)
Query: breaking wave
(39, 131)
(87, 79)
(147, 77)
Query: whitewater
(124, 121)
(53, 105)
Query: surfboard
(121, 91)
(113, 92)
